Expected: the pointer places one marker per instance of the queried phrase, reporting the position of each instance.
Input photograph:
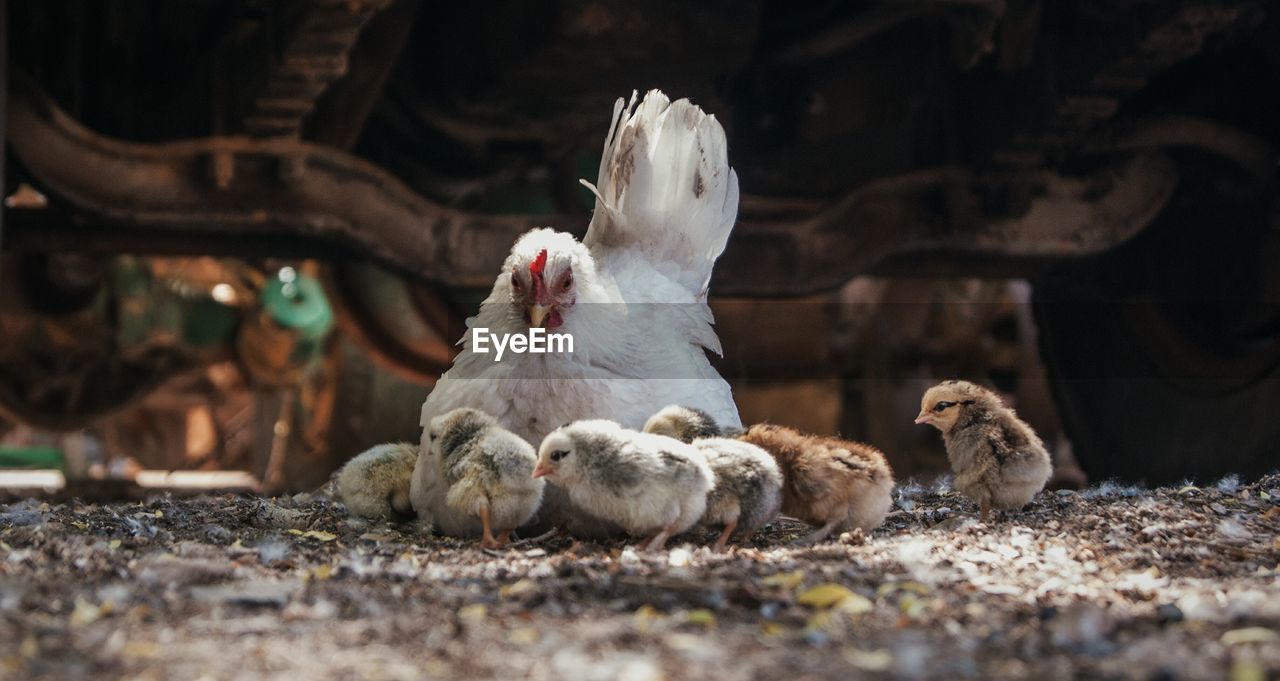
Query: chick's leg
(820, 533)
(723, 539)
(504, 537)
(486, 539)
(549, 534)
(660, 539)
(986, 511)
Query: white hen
(632, 294)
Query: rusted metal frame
(340, 113)
(1180, 35)
(316, 55)
(389, 316)
(1250, 153)
(403, 325)
(247, 189)
(941, 210)
(1092, 98)
(973, 23)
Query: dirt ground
(1114, 582)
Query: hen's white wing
(665, 206)
(665, 192)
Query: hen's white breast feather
(666, 203)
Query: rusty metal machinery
(187, 193)
(407, 144)
(278, 193)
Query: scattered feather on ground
(1117, 582)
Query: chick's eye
(943, 406)
(558, 454)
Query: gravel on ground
(1113, 582)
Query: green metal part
(31, 457)
(297, 302)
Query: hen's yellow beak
(538, 313)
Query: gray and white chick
(375, 484)
(487, 471)
(748, 490)
(998, 459)
(652, 486)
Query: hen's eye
(515, 282)
(558, 454)
(943, 406)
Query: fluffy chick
(375, 484)
(833, 483)
(488, 472)
(748, 489)
(685, 424)
(650, 485)
(998, 460)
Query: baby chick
(375, 484)
(685, 424)
(833, 483)
(487, 470)
(999, 461)
(748, 489)
(650, 485)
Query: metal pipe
(247, 189)
(250, 192)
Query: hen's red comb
(539, 262)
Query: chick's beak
(540, 471)
(538, 313)
(922, 418)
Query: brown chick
(998, 460)
(832, 483)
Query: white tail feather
(665, 188)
